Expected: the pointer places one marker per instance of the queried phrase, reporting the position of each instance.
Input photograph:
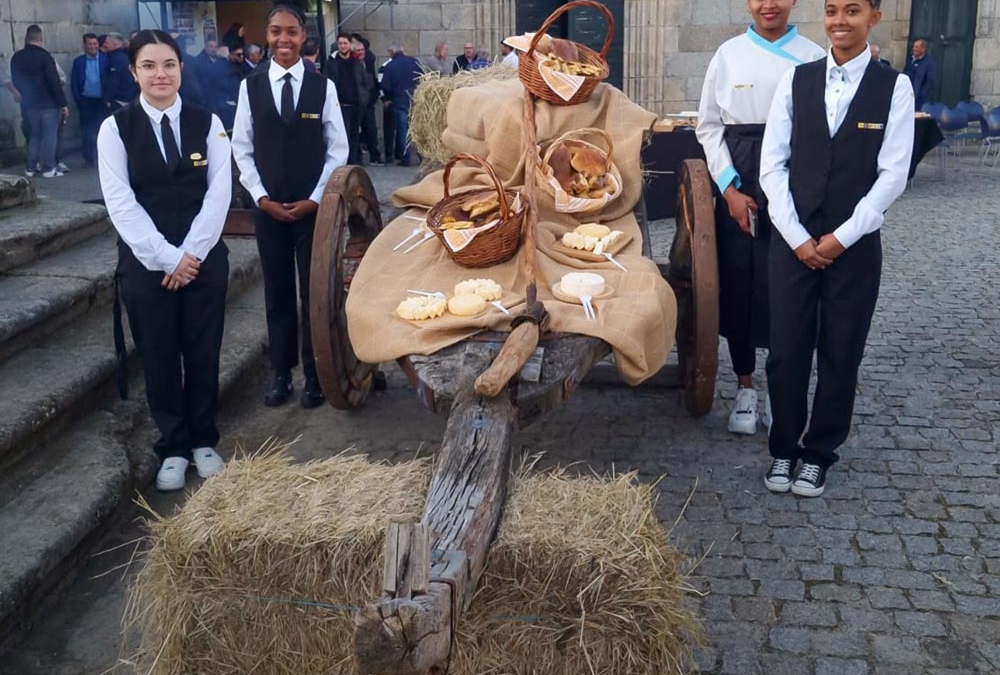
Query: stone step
(55, 504)
(42, 385)
(15, 191)
(33, 231)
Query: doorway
(251, 13)
(949, 26)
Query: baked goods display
(487, 289)
(582, 170)
(592, 237)
(579, 284)
(466, 305)
(421, 308)
(473, 212)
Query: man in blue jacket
(34, 75)
(227, 74)
(922, 71)
(119, 87)
(399, 80)
(89, 71)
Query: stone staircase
(65, 460)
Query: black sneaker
(280, 391)
(779, 476)
(312, 394)
(810, 482)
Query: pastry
(466, 305)
(590, 161)
(593, 230)
(560, 161)
(456, 225)
(487, 289)
(579, 284)
(419, 308)
(481, 206)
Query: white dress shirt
(333, 130)
(133, 223)
(739, 86)
(510, 60)
(893, 159)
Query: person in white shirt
(735, 99)
(509, 55)
(288, 138)
(165, 172)
(835, 157)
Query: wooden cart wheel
(694, 275)
(348, 220)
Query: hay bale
(262, 568)
(429, 108)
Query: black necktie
(287, 100)
(169, 144)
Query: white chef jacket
(739, 85)
(333, 130)
(893, 159)
(133, 224)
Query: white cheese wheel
(466, 305)
(595, 230)
(420, 308)
(582, 283)
(487, 289)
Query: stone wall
(986, 58)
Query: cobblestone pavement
(895, 570)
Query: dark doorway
(584, 25)
(949, 26)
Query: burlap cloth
(638, 320)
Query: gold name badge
(870, 126)
(310, 116)
(203, 162)
(195, 156)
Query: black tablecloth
(661, 161)
(926, 136)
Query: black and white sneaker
(810, 482)
(779, 476)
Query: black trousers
(92, 113)
(179, 336)
(369, 134)
(389, 135)
(830, 312)
(352, 123)
(743, 260)
(283, 247)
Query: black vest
(289, 158)
(829, 176)
(172, 200)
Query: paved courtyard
(895, 570)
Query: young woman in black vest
(167, 182)
(288, 138)
(835, 157)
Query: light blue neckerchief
(776, 47)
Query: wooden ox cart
(432, 567)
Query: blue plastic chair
(935, 110)
(977, 129)
(991, 141)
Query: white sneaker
(766, 417)
(207, 461)
(61, 166)
(743, 419)
(29, 173)
(171, 474)
(54, 173)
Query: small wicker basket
(567, 203)
(527, 65)
(489, 248)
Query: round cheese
(582, 283)
(595, 230)
(420, 308)
(487, 289)
(466, 305)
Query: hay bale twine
(429, 108)
(262, 569)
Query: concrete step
(56, 502)
(56, 376)
(32, 231)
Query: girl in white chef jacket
(739, 85)
(167, 183)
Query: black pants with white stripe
(829, 313)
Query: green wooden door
(949, 26)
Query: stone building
(663, 47)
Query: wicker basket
(527, 67)
(492, 247)
(569, 203)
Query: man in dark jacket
(34, 75)
(399, 80)
(119, 87)
(465, 59)
(353, 89)
(922, 71)
(227, 75)
(89, 70)
(369, 132)
(202, 67)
